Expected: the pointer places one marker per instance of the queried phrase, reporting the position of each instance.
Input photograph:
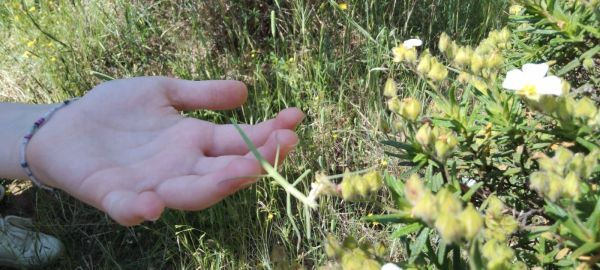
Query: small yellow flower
(389, 90)
(32, 9)
(343, 5)
(30, 43)
(471, 221)
(413, 189)
(443, 42)
(426, 207)
(449, 227)
(424, 135)
(410, 109)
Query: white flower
(390, 266)
(411, 43)
(532, 82)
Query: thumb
(212, 95)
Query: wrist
(16, 120)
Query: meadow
(330, 60)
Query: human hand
(125, 149)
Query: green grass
(309, 54)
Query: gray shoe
(21, 247)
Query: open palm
(124, 148)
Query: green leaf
(585, 249)
(407, 229)
(587, 144)
(403, 146)
(418, 245)
(395, 186)
(467, 196)
(404, 217)
(581, 233)
(442, 252)
(555, 210)
(594, 219)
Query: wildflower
(424, 135)
(443, 42)
(321, 186)
(463, 56)
(30, 43)
(413, 189)
(447, 202)
(410, 109)
(532, 82)
(411, 43)
(32, 9)
(448, 225)
(471, 221)
(477, 62)
(426, 207)
(515, 9)
(438, 71)
(389, 90)
(343, 5)
(394, 105)
(571, 186)
(399, 53)
(585, 109)
(390, 266)
(424, 63)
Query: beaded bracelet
(25, 141)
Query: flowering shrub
(504, 166)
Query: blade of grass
(272, 172)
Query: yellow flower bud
(438, 71)
(389, 90)
(410, 55)
(447, 202)
(576, 165)
(477, 62)
(444, 42)
(424, 136)
(449, 227)
(471, 221)
(538, 183)
(566, 106)
(410, 109)
(413, 189)
(480, 85)
(494, 207)
(571, 186)
(562, 157)
(424, 64)
(444, 145)
(495, 59)
(394, 105)
(349, 192)
(504, 35)
(426, 208)
(585, 109)
(333, 248)
(590, 162)
(498, 255)
(399, 53)
(374, 181)
(515, 9)
(361, 186)
(547, 164)
(555, 187)
(463, 77)
(463, 56)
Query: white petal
(515, 80)
(390, 266)
(535, 71)
(551, 85)
(414, 42)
